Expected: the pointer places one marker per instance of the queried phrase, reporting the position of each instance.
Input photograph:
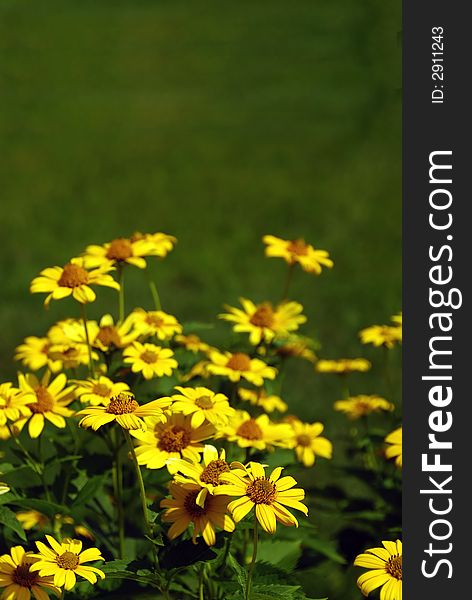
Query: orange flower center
(393, 566)
(154, 321)
(174, 439)
(44, 401)
(123, 404)
(303, 440)
(149, 357)
(73, 276)
(23, 577)
(68, 560)
(119, 249)
(191, 505)
(261, 491)
(101, 389)
(250, 430)
(298, 247)
(239, 362)
(204, 402)
(213, 470)
(264, 316)
(108, 336)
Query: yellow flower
(381, 335)
(192, 343)
(72, 279)
(13, 404)
(66, 560)
(182, 509)
(198, 370)
(202, 404)
(385, 569)
(359, 406)
(150, 360)
(99, 390)
(71, 356)
(19, 580)
(258, 432)
(269, 495)
(118, 252)
(108, 335)
(155, 322)
(34, 354)
(206, 474)
(4, 489)
(298, 347)
(159, 244)
(297, 251)
(125, 410)
(268, 402)
(308, 443)
(47, 400)
(394, 439)
(67, 332)
(173, 438)
(343, 365)
(397, 319)
(239, 365)
(30, 519)
(263, 322)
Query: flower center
(101, 389)
(239, 362)
(261, 491)
(250, 430)
(191, 505)
(68, 560)
(264, 316)
(394, 566)
(303, 440)
(154, 320)
(213, 470)
(298, 247)
(119, 249)
(174, 439)
(44, 401)
(73, 276)
(23, 577)
(149, 357)
(204, 402)
(108, 336)
(123, 404)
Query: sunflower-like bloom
(385, 570)
(269, 495)
(13, 406)
(32, 519)
(125, 410)
(107, 335)
(343, 365)
(202, 404)
(239, 365)
(381, 335)
(150, 360)
(360, 406)
(159, 244)
(175, 437)
(66, 560)
(397, 319)
(19, 580)
(394, 449)
(259, 433)
(297, 251)
(73, 279)
(34, 353)
(205, 474)
(297, 347)
(98, 390)
(182, 509)
(119, 251)
(268, 402)
(308, 442)
(192, 343)
(46, 400)
(155, 322)
(264, 322)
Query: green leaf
(324, 547)
(275, 592)
(281, 553)
(8, 518)
(241, 573)
(46, 508)
(89, 490)
(21, 477)
(114, 566)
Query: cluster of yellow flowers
(190, 432)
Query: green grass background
(217, 122)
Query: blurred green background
(216, 122)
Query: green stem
(253, 561)
(155, 294)
(87, 338)
(288, 281)
(121, 294)
(118, 491)
(139, 477)
(201, 587)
